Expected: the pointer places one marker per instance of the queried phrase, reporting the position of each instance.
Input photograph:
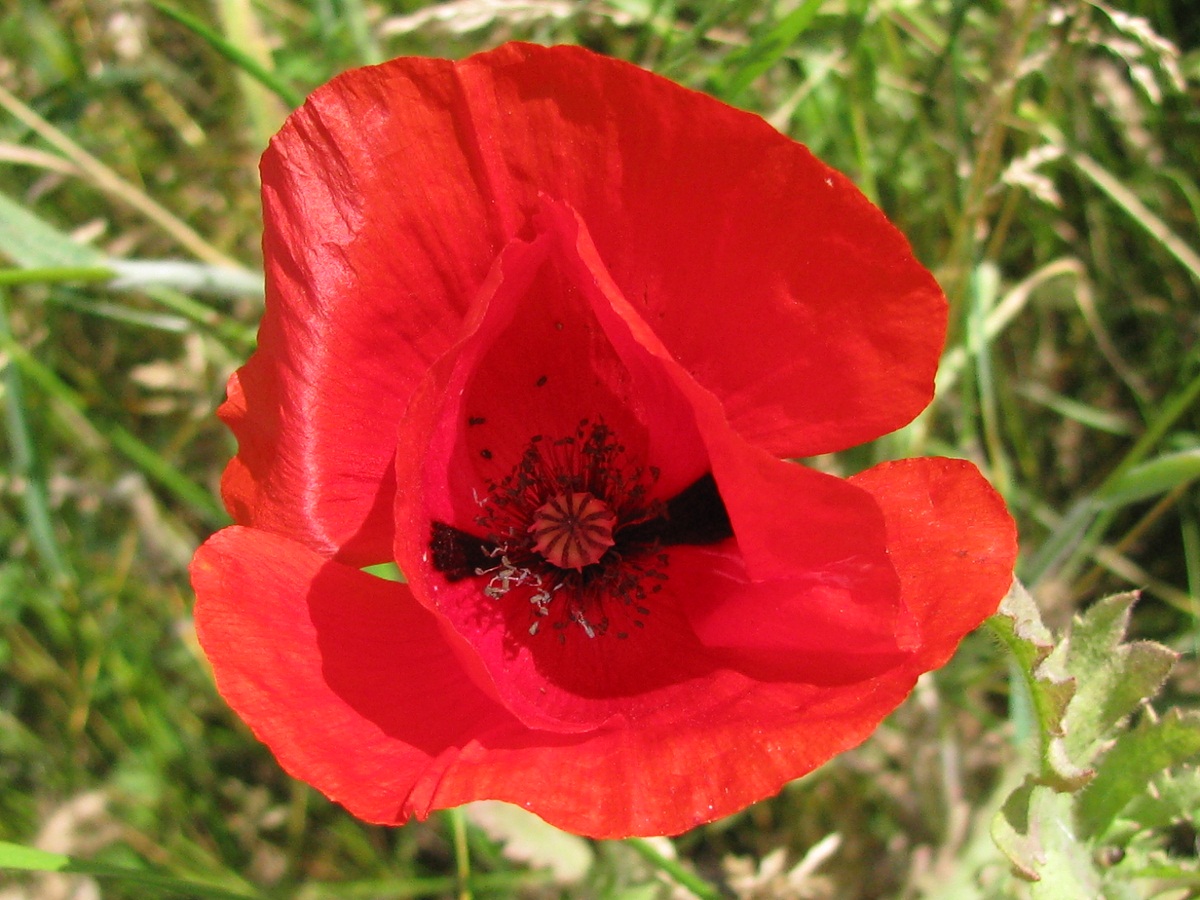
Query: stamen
(571, 532)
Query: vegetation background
(1043, 158)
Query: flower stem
(676, 871)
(462, 853)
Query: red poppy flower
(540, 327)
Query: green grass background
(1043, 158)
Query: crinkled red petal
(537, 364)
(387, 196)
(377, 234)
(806, 591)
(354, 687)
(344, 676)
(809, 593)
(952, 541)
(954, 549)
(768, 275)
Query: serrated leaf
(530, 840)
(1173, 796)
(1019, 625)
(32, 243)
(1144, 862)
(1137, 757)
(1057, 688)
(1061, 772)
(1036, 831)
(1018, 619)
(1112, 677)
(1069, 871)
(1010, 832)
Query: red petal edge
(808, 594)
(342, 674)
(952, 541)
(770, 277)
(351, 684)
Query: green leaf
(1068, 871)
(1137, 757)
(1174, 796)
(1037, 832)
(1112, 677)
(1019, 625)
(29, 859)
(1082, 691)
(765, 51)
(1010, 832)
(1152, 478)
(33, 244)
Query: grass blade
(234, 54)
(30, 859)
(144, 457)
(681, 875)
(748, 64)
(1139, 212)
(34, 496)
(108, 181)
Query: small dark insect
(542, 381)
(476, 420)
(485, 453)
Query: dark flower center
(572, 531)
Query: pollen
(573, 530)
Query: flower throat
(572, 531)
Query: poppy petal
(805, 311)
(665, 778)
(954, 550)
(811, 570)
(345, 677)
(818, 602)
(768, 274)
(461, 433)
(364, 290)
(353, 687)
(340, 673)
(952, 541)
